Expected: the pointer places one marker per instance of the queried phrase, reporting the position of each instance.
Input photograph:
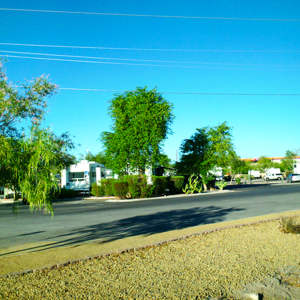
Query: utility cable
(145, 60)
(147, 49)
(143, 65)
(148, 16)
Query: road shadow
(139, 225)
(248, 185)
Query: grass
(290, 225)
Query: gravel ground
(208, 265)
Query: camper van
(82, 175)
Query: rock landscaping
(247, 261)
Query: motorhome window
(73, 175)
(80, 179)
(93, 174)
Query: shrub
(221, 184)
(193, 185)
(289, 225)
(238, 180)
(133, 185)
(160, 185)
(66, 193)
(175, 184)
(146, 190)
(97, 190)
(120, 189)
(107, 186)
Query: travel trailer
(82, 175)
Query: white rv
(82, 175)
(296, 168)
(254, 173)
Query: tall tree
(206, 149)
(141, 122)
(287, 163)
(264, 163)
(29, 162)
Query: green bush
(120, 189)
(66, 193)
(175, 184)
(160, 185)
(221, 184)
(133, 185)
(108, 186)
(146, 190)
(238, 180)
(97, 190)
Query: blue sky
(261, 57)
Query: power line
(182, 93)
(143, 65)
(149, 16)
(145, 60)
(147, 49)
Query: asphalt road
(90, 220)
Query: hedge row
(135, 186)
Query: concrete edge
(159, 243)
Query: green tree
(288, 162)
(206, 149)
(141, 122)
(100, 158)
(194, 154)
(264, 163)
(29, 162)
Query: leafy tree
(206, 149)
(194, 154)
(29, 162)
(100, 158)
(289, 160)
(264, 163)
(141, 122)
(221, 145)
(235, 165)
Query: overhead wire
(151, 49)
(185, 93)
(143, 65)
(144, 60)
(149, 16)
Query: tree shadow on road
(147, 224)
(139, 225)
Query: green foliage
(120, 189)
(134, 182)
(290, 225)
(141, 122)
(193, 185)
(288, 162)
(97, 190)
(108, 186)
(66, 193)
(175, 184)
(99, 158)
(29, 163)
(147, 190)
(238, 180)
(206, 149)
(221, 184)
(264, 163)
(160, 184)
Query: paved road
(88, 220)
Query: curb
(133, 249)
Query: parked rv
(82, 175)
(255, 174)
